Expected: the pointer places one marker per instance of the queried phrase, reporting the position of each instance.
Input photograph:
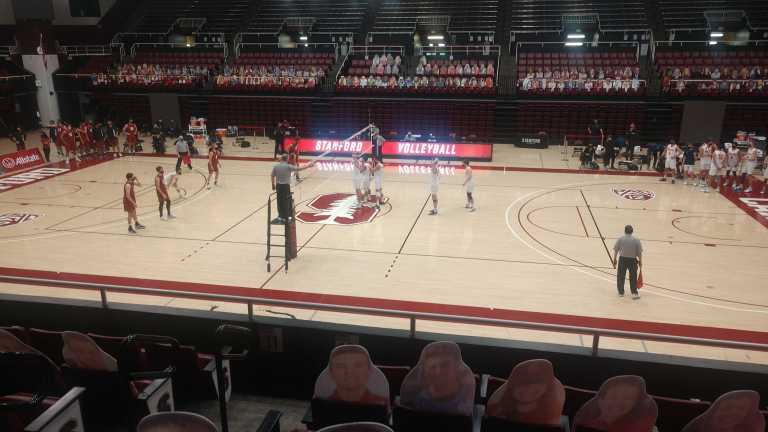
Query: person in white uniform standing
(670, 164)
(434, 186)
(705, 157)
(748, 164)
(356, 179)
(717, 169)
(734, 158)
(469, 184)
(378, 177)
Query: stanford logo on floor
(635, 194)
(337, 209)
(9, 219)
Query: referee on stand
(630, 253)
(281, 182)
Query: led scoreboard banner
(395, 149)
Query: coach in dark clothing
(629, 251)
(281, 182)
(596, 132)
(19, 138)
(609, 157)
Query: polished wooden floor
(534, 244)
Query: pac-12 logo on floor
(337, 209)
(8, 219)
(635, 194)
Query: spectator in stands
(82, 352)
(609, 156)
(352, 377)
(176, 422)
(631, 139)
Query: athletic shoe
(673, 181)
(749, 190)
(209, 187)
(621, 294)
(663, 179)
(472, 209)
(635, 296)
(131, 230)
(466, 206)
(139, 226)
(171, 217)
(705, 190)
(433, 212)
(165, 218)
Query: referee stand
(288, 233)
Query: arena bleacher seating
(163, 70)
(402, 15)
(335, 16)
(714, 72)
(275, 72)
(456, 76)
(222, 16)
(601, 73)
(533, 16)
(682, 14)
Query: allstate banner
(396, 149)
(21, 160)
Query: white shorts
(470, 187)
(367, 183)
(356, 183)
(433, 189)
(748, 167)
(732, 166)
(670, 164)
(765, 169)
(705, 164)
(713, 171)
(377, 180)
(690, 168)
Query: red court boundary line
(475, 167)
(735, 199)
(667, 329)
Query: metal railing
(181, 46)
(14, 77)
(8, 50)
(586, 46)
(704, 43)
(376, 49)
(85, 50)
(332, 46)
(412, 316)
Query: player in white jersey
(172, 180)
(365, 176)
(734, 158)
(434, 185)
(765, 177)
(705, 159)
(717, 169)
(378, 177)
(670, 164)
(357, 179)
(748, 164)
(469, 184)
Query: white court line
(603, 278)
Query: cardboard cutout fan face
(440, 382)
(9, 343)
(351, 377)
(357, 427)
(736, 411)
(176, 422)
(82, 352)
(531, 395)
(621, 405)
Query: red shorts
(99, 144)
(70, 146)
(160, 197)
(213, 169)
(128, 206)
(131, 139)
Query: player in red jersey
(163, 197)
(213, 165)
(82, 137)
(293, 155)
(68, 141)
(131, 136)
(129, 202)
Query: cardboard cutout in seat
(82, 352)
(621, 405)
(531, 395)
(736, 411)
(357, 427)
(441, 382)
(176, 422)
(9, 343)
(352, 377)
